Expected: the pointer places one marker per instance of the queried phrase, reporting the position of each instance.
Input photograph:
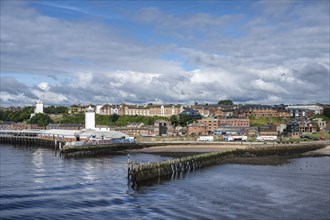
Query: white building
(89, 118)
(39, 107)
(98, 109)
(315, 108)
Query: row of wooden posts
(138, 172)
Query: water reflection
(138, 186)
(39, 169)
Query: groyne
(107, 149)
(32, 141)
(138, 172)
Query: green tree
(225, 102)
(326, 112)
(114, 118)
(23, 116)
(76, 118)
(56, 110)
(184, 120)
(28, 109)
(174, 120)
(40, 119)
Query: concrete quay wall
(31, 141)
(98, 150)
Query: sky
(137, 52)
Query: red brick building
(196, 129)
(235, 122)
(211, 123)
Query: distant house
(328, 126)
(307, 126)
(302, 110)
(136, 110)
(35, 127)
(291, 127)
(225, 129)
(191, 114)
(281, 127)
(153, 110)
(211, 123)
(203, 110)
(164, 110)
(197, 129)
(252, 132)
(108, 109)
(268, 130)
(161, 127)
(320, 123)
(261, 111)
(235, 122)
(75, 109)
(301, 126)
(137, 131)
(7, 125)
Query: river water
(37, 185)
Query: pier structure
(31, 141)
(65, 141)
(138, 172)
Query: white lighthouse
(39, 107)
(89, 118)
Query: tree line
(16, 116)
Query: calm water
(37, 185)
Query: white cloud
(267, 86)
(49, 97)
(279, 55)
(44, 86)
(274, 99)
(8, 99)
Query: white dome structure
(89, 118)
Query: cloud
(280, 53)
(44, 86)
(267, 86)
(61, 47)
(10, 87)
(314, 73)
